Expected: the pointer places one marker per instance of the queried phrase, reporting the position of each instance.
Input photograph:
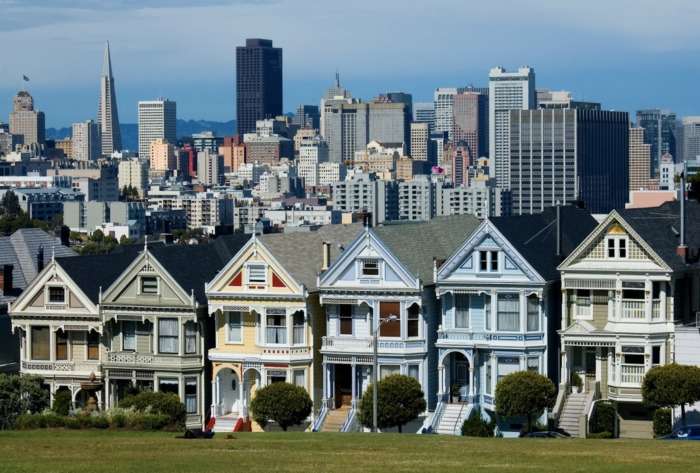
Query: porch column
(241, 395)
(599, 365)
(564, 308)
(522, 304)
(494, 374)
(471, 382)
(565, 364)
(354, 383)
(441, 380)
(618, 299)
(494, 309)
(648, 295)
(181, 338)
(108, 392)
(52, 344)
(214, 396)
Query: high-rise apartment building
(507, 91)
(25, 122)
(640, 160)
(258, 83)
(107, 116)
(206, 140)
(133, 172)
(233, 153)
(462, 159)
(162, 155)
(659, 132)
(444, 98)
(157, 120)
(689, 142)
(565, 155)
(420, 141)
(85, 141)
(209, 167)
(364, 193)
(312, 153)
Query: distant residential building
(96, 183)
(364, 193)
(107, 115)
(312, 153)
(66, 145)
(206, 140)
(379, 157)
(133, 172)
(667, 173)
(43, 203)
(233, 152)
(86, 144)
(209, 168)
(480, 199)
(302, 135)
(157, 120)
(462, 160)
(328, 173)
(8, 141)
(659, 132)
(639, 160)
(162, 155)
(416, 199)
(203, 209)
(86, 217)
(507, 91)
(420, 141)
(258, 83)
(26, 122)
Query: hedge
(663, 422)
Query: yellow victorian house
(268, 320)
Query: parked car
(689, 432)
(547, 434)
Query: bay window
(128, 335)
(276, 326)
(190, 338)
(508, 316)
(61, 345)
(345, 317)
(168, 336)
(393, 328)
(533, 313)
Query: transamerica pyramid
(107, 116)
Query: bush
(603, 418)
(663, 422)
(29, 422)
(73, 423)
(601, 435)
(526, 394)
(20, 394)
(62, 402)
(576, 381)
(166, 404)
(53, 420)
(100, 421)
(477, 426)
(285, 403)
(399, 401)
(117, 419)
(140, 421)
(672, 385)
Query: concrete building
(157, 120)
(639, 160)
(444, 98)
(562, 99)
(25, 122)
(416, 199)
(507, 91)
(335, 95)
(328, 173)
(162, 155)
(420, 142)
(312, 153)
(659, 132)
(99, 183)
(86, 217)
(43, 203)
(107, 115)
(209, 168)
(364, 193)
(66, 145)
(258, 83)
(688, 144)
(307, 116)
(667, 173)
(133, 172)
(470, 121)
(481, 199)
(267, 149)
(233, 152)
(424, 112)
(86, 144)
(206, 140)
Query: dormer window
(370, 267)
(488, 261)
(257, 274)
(57, 295)
(149, 285)
(617, 247)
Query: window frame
(528, 314)
(363, 264)
(49, 295)
(413, 318)
(617, 246)
(95, 345)
(457, 312)
(507, 296)
(344, 319)
(175, 337)
(63, 344)
(124, 323)
(190, 381)
(144, 278)
(259, 265)
(229, 340)
(188, 336)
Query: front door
(462, 377)
(343, 385)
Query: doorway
(343, 385)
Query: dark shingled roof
(660, 229)
(535, 236)
(190, 265)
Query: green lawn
(105, 451)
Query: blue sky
(627, 54)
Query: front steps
(452, 419)
(574, 408)
(335, 419)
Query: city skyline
(621, 79)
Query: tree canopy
(399, 401)
(284, 403)
(524, 393)
(672, 385)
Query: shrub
(73, 423)
(140, 421)
(53, 420)
(576, 381)
(100, 421)
(20, 394)
(601, 435)
(477, 426)
(117, 418)
(524, 393)
(672, 385)
(29, 421)
(285, 403)
(167, 404)
(663, 423)
(62, 402)
(603, 418)
(399, 401)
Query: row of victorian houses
(456, 303)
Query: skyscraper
(640, 160)
(507, 91)
(334, 96)
(470, 124)
(258, 83)
(157, 120)
(107, 116)
(443, 99)
(420, 141)
(689, 142)
(85, 141)
(25, 122)
(307, 116)
(659, 132)
(424, 113)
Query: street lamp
(375, 367)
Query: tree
(672, 385)
(524, 393)
(399, 401)
(10, 204)
(62, 402)
(19, 395)
(284, 403)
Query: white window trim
(140, 289)
(589, 314)
(380, 268)
(121, 330)
(353, 329)
(228, 329)
(489, 260)
(247, 274)
(47, 295)
(617, 239)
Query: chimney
(6, 279)
(65, 236)
(682, 249)
(367, 219)
(326, 256)
(40, 259)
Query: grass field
(106, 451)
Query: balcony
(364, 345)
(631, 374)
(130, 359)
(633, 309)
(459, 335)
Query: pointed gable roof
(535, 236)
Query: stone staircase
(574, 408)
(335, 419)
(452, 419)
(636, 429)
(225, 424)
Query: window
(298, 328)
(276, 326)
(656, 355)
(57, 295)
(483, 261)
(191, 395)
(413, 321)
(508, 316)
(167, 336)
(533, 364)
(413, 372)
(61, 345)
(345, 317)
(633, 359)
(393, 328)
(168, 385)
(462, 311)
(487, 311)
(617, 247)
(622, 248)
(494, 260)
(276, 376)
(533, 313)
(583, 303)
(507, 366)
(149, 285)
(488, 261)
(93, 345)
(299, 378)
(235, 327)
(257, 274)
(190, 337)
(370, 267)
(611, 247)
(388, 370)
(128, 336)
